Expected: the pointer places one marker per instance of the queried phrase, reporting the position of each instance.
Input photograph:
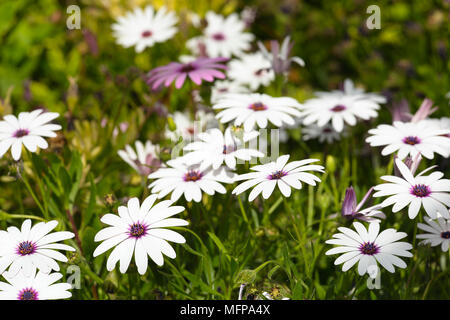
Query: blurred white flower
(325, 133)
(140, 230)
(143, 28)
(188, 129)
(144, 160)
(224, 87)
(225, 36)
(369, 246)
(27, 129)
(253, 70)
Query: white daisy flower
(256, 108)
(350, 90)
(144, 160)
(27, 129)
(140, 230)
(143, 28)
(181, 178)
(40, 286)
(437, 233)
(278, 173)
(224, 87)
(431, 192)
(369, 247)
(32, 247)
(187, 128)
(442, 123)
(225, 36)
(338, 109)
(410, 138)
(325, 133)
(215, 148)
(253, 70)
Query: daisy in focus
(144, 160)
(411, 138)
(369, 246)
(32, 247)
(432, 192)
(253, 70)
(27, 129)
(140, 230)
(257, 109)
(40, 286)
(215, 148)
(278, 173)
(225, 36)
(438, 233)
(338, 109)
(143, 28)
(353, 210)
(201, 69)
(180, 178)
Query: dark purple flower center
(137, 230)
(28, 294)
(260, 72)
(188, 68)
(21, 133)
(420, 190)
(327, 130)
(26, 248)
(219, 36)
(445, 235)
(411, 140)
(277, 175)
(229, 149)
(368, 248)
(146, 34)
(258, 106)
(338, 108)
(193, 176)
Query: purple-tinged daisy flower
(352, 210)
(278, 173)
(197, 70)
(32, 247)
(280, 55)
(431, 192)
(369, 247)
(140, 230)
(144, 160)
(38, 286)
